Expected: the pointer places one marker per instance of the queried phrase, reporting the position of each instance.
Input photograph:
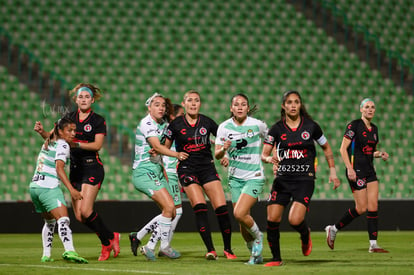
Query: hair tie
(84, 89)
(151, 98)
(365, 100)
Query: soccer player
(358, 150)
(197, 174)
(46, 194)
(241, 137)
(86, 168)
(148, 177)
(293, 138)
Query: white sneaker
(330, 235)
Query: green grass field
(20, 254)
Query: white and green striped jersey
(45, 174)
(147, 128)
(170, 163)
(245, 150)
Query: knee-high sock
(47, 236)
(164, 225)
(273, 237)
(148, 228)
(372, 222)
(223, 218)
(254, 231)
(203, 227)
(65, 233)
(178, 214)
(95, 223)
(347, 218)
(303, 230)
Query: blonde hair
(97, 93)
(192, 91)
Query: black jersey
(295, 148)
(85, 132)
(193, 139)
(363, 145)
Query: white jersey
(170, 163)
(245, 151)
(45, 174)
(147, 128)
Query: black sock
(223, 218)
(372, 222)
(273, 236)
(200, 211)
(303, 230)
(347, 218)
(95, 223)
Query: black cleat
(135, 243)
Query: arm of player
(60, 170)
(90, 146)
(345, 157)
(381, 154)
(220, 150)
(161, 149)
(327, 150)
(38, 127)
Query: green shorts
(250, 187)
(148, 181)
(173, 188)
(47, 199)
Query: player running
(358, 150)
(292, 138)
(241, 137)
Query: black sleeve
(100, 126)
(271, 136)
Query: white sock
(65, 233)
(47, 236)
(174, 222)
(155, 237)
(334, 228)
(164, 225)
(372, 242)
(254, 231)
(148, 228)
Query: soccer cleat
(115, 244)
(72, 256)
(274, 263)
(307, 248)
(135, 242)
(170, 253)
(255, 260)
(330, 235)
(376, 249)
(46, 259)
(148, 253)
(257, 246)
(105, 252)
(229, 254)
(211, 256)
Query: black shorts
(283, 190)
(361, 180)
(199, 175)
(88, 170)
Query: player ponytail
(59, 125)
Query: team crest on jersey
(87, 128)
(203, 131)
(360, 182)
(305, 135)
(250, 133)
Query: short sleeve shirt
(295, 148)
